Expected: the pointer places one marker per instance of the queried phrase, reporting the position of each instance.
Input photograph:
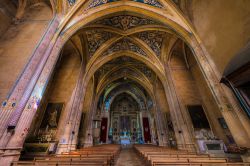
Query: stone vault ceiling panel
(96, 38)
(124, 44)
(153, 39)
(126, 69)
(125, 22)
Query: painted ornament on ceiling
(96, 38)
(125, 22)
(95, 3)
(124, 44)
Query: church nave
(125, 82)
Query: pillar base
(246, 157)
(9, 155)
(65, 148)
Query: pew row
(160, 156)
(102, 155)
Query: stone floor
(128, 157)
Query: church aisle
(128, 157)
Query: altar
(208, 143)
(211, 146)
(125, 138)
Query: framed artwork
(52, 115)
(198, 117)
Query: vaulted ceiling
(137, 48)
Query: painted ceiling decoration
(95, 3)
(131, 87)
(96, 38)
(110, 65)
(124, 44)
(153, 39)
(154, 3)
(130, 64)
(146, 71)
(125, 22)
(125, 72)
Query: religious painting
(198, 117)
(223, 123)
(52, 115)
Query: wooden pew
(157, 156)
(103, 155)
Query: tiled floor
(128, 157)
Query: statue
(53, 118)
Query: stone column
(141, 122)
(162, 135)
(22, 90)
(240, 113)
(183, 133)
(236, 128)
(89, 121)
(69, 135)
(160, 108)
(19, 133)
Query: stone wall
(18, 43)
(223, 26)
(7, 13)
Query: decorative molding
(153, 39)
(125, 22)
